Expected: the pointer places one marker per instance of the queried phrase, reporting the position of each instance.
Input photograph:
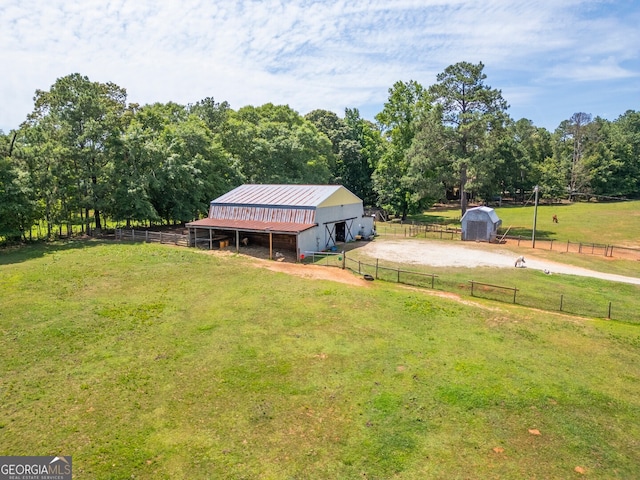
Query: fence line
(335, 259)
(598, 308)
(430, 230)
(474, 283)
(148, 236)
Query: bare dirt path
(437, 254)
(317, 272)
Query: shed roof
(487, 210)
(251, 225)
(296, 196)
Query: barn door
(476, 230)
(340, 232)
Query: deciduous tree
(404, 109)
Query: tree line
(84, 154)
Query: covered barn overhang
(237, 227)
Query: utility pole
(535, 218)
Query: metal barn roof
(275, 208)
(296, 196)
(487, 210)
(251, 225)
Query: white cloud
(308, 54)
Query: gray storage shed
(480, 224)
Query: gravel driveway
(438, 254)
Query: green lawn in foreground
(146, 361)
(614, 223)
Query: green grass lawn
(146, 361)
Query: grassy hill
(145, 361)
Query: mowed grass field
(153, 362)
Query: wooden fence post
(377, 262)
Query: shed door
(476, 230)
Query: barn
(480, 224)
(294, 218)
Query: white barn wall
(351, 214)
(307, 241)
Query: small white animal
(520, 261)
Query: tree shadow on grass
(30, 251)
(527, 233)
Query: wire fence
(438, 231)
(149, 236)
(427, 230)
(595, 305)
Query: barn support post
(270, 245)
(211, 239)
(237, 241)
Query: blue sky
(550, 58)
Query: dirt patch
(259, 257)
(315, 272)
